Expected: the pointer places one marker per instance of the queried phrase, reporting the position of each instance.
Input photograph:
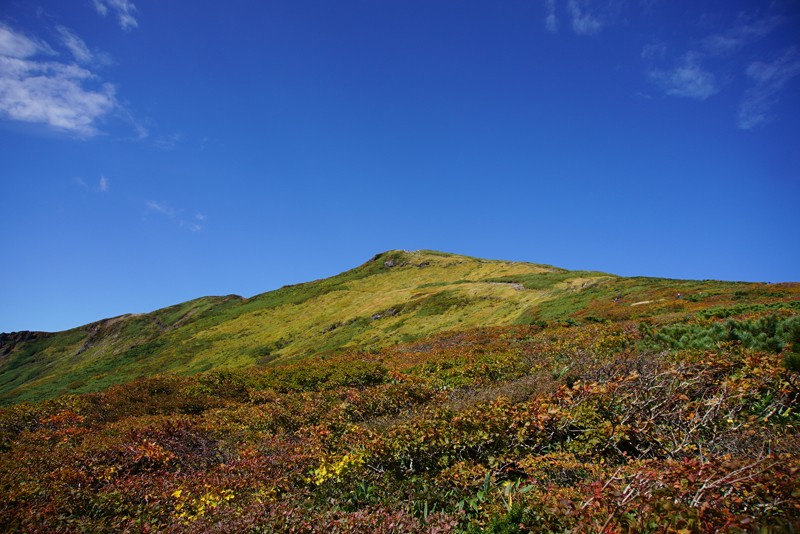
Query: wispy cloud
(586, 17)
(687, 79)
(706, 63)
(123, 9)
(164, 209)
(18, 45)
(168, 142)
(63, 96)
(75, 45)
(702, 71)
(654, 51)
(769, 81)
(197, 224)
(79, 50)
(140, 127)
(583, 22)
(102, 184)
(551, 21)
(101, 187)
(194, 224)
(743, 33)
(54, 94)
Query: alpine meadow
(419, 392)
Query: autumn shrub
(342, 372)
(468, 432)
(160, 394)
(223, 383)
(289, 517)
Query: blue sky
(152, 152)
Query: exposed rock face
(392, 263)
(391, 312)
(9, 341)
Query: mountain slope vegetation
(398, 296)
(532, 399)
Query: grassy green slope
(397, 296)
(35, 365)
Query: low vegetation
(616, 407)
(508, 429)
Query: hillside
(397, 296)
(494, 397)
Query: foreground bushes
(582, 429)
(769, 333)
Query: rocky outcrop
(9, 341)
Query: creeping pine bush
(792, 359)
(772, 333)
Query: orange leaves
(151, 454)
(464, 431)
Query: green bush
(792, 360)
(770, 333)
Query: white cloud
(586, 17)
(701, 72)
(168, 142)
(777, 73)
(124, 9)
(654, 51)
(736, 37)
(54, 94)
(551, 21)
(16, 45)
(64, 96)
(101, 7)
(583, 22)
(769, 79)
(102, 184)
(197, 224)
(193, 224)
(139, 127)
(164, 209)
(689, 79)
(75, 45)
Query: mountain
(420, 392)
(397, 296)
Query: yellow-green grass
(407, 302)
